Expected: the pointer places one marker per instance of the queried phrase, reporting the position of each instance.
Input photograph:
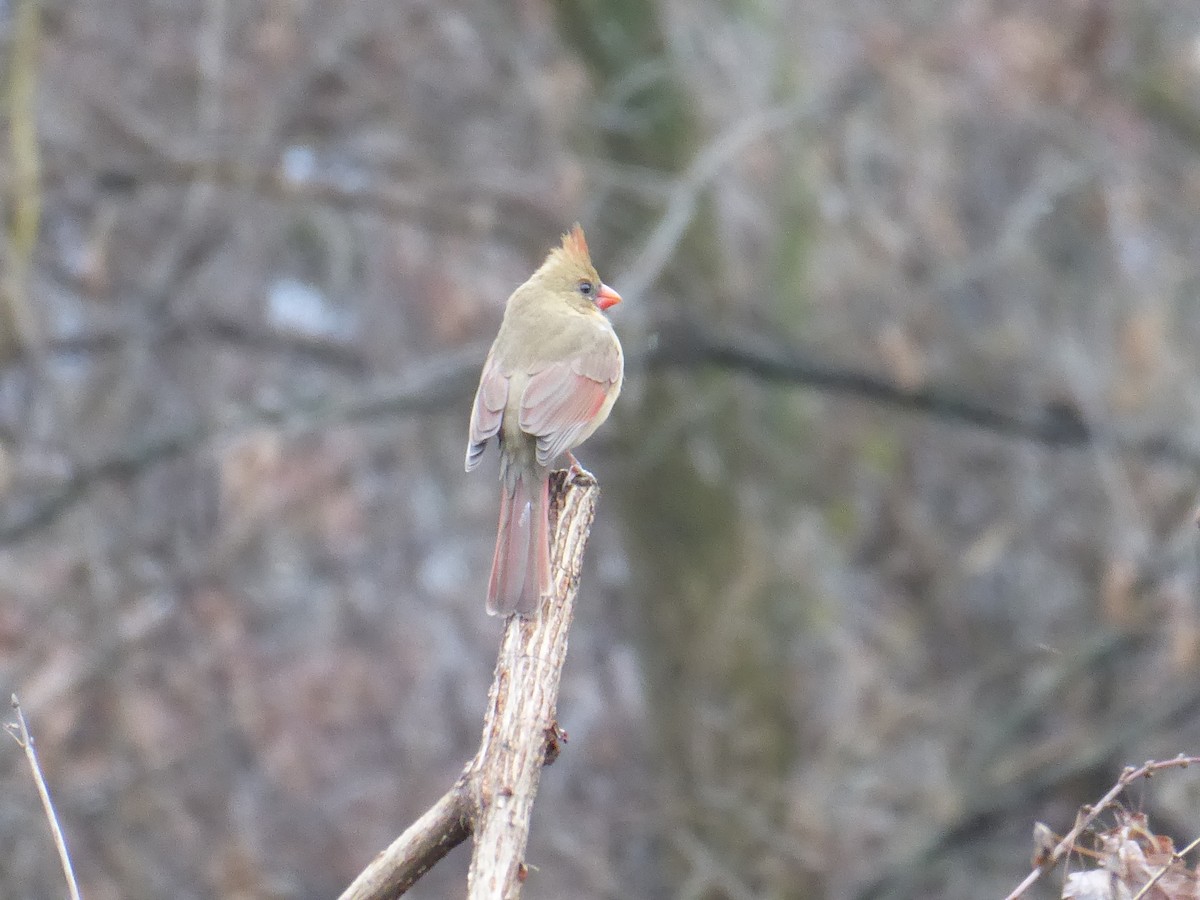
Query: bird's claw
(576, 472)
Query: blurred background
(895, 554)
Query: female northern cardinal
(549, 381)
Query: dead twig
(442, 828)
(1087, 815)
(20, 732)
(1177, 856)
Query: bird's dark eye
(586, 288)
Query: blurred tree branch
(329, 353)
(447, 382)
(1032, 777)
(18, 324)
(689, 188)
(438, 203)
(452, 204)
(422, 391)
(493, 798)
(691, 345)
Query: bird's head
(569, 273)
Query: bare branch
(429, 387)
(520, 723)
(689, 345)
(424, 390)
(1177, 856)
(493, 798)
(725, 148)
(440, 204)
(442, 828)
(20, 733)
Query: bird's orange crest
(575, 245)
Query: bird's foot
(575, 470)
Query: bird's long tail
(521, 565)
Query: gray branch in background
(445, 385)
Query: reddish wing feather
(562, 400)
(487, 411)
(564, 411)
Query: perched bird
(550, 380)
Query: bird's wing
(562, 399)
(490, 400)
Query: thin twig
(1177, 856)
(443, 827)
(1087, 815)
(726, 147)
(20, 733)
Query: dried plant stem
(1177, 856)
(20, 733)
(1088, 814)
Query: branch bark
(493, 798)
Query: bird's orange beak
(607, 297)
